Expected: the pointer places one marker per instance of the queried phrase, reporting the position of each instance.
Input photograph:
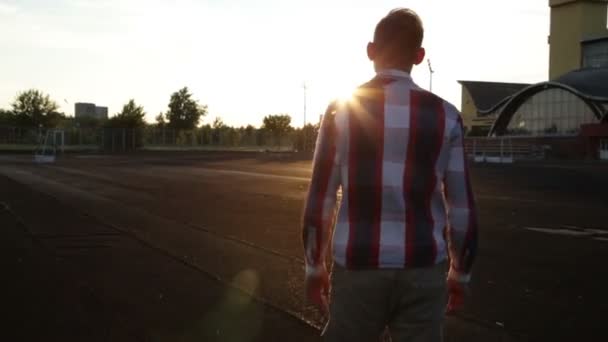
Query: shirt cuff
(458, 276)
(314, 270)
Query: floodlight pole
(431, 72)
(305, 140)
(304, 87)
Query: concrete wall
(571, 22)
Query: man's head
(397, 41)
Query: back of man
(396, 152)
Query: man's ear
(371, 51)
(419, 57)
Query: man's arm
(321, 201)
(462, 229)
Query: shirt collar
(393, 73)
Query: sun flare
(342, 92)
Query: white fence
(604, 149)
(502, 150)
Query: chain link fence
(30, 139)
(117, 140)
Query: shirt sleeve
(462, 213)
(320, 207)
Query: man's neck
(392, 73)
(380, 67)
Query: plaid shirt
(396, 152)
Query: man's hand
(456, 293)
(458, 289)
(317, 289)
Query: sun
(340, 82)
(345, 94)
(341, 92)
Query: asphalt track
(153, 247)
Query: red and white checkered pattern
(396, 152)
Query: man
(396, 152)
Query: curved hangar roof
(590, 85)
(489, 95)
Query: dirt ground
(152, 246)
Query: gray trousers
(410, 303)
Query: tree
(7, 118)
(34, 108)
(218, 123)
(127, 121)
(249, 133)
(305, 138)
(206, 134)
(131, 116)
(88, 122)
(278, 125)
(160, 120)
(218, 126)
(184, 112)
(54, 119)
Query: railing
(604, 149)
(501, 150)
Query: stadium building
(566, 115)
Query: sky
(248, 59)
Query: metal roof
(589, 82)
(488, 95)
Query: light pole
(304, 133)
(431, 72)
(304, 87)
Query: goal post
(52, 142)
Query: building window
(552, 112)
(595, 54)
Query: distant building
(90, 110)
(569, 112)
(481, 98)
(101, 112)
(577, 31)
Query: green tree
(184, 112)
(34, 108)
(218, 123)
(131, 116)
(250, 135)
(7, 118)
(218, 126)
(278, 126)
(160, 120)
(54, 119)
(206, 134)
(233, 137)
(88, 122)
(305, 138)
(124, 128)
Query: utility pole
(431, 72)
